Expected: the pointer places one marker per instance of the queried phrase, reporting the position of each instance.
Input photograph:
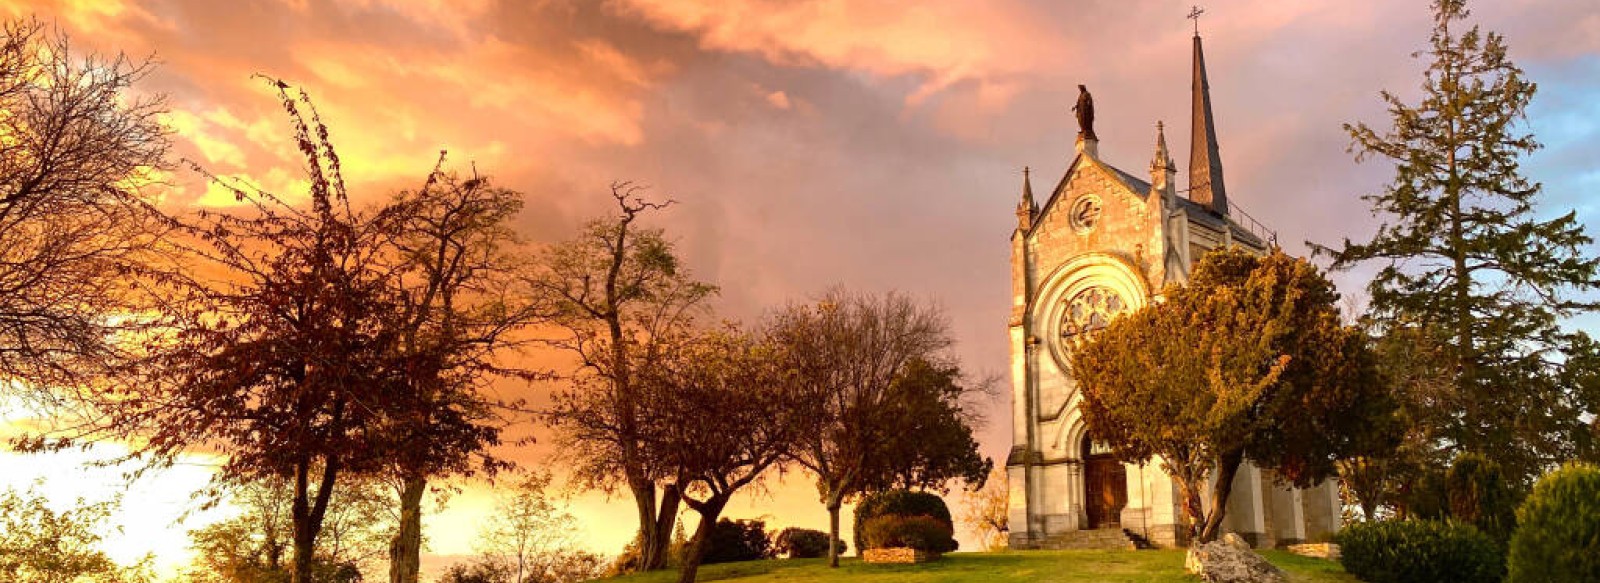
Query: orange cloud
(942, 42)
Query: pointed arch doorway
(1105, 486)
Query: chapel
(1105, 242)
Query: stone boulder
(1235, 541)
(1221, 562)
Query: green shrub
(1419, 551)
(803, 543)
(898, 502)
(1558, 539)
(924, 533)
(1477, 494)
(1426, 498)
(737, 540)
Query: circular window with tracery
(1090, 311)
(1085, 213)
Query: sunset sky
(877, 145)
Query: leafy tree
(986, 510)
(1250, 359)
(864, 362)
(618, 291)
(723, 410)
(39, 544)
(1414, 365)
(77, 155)
(533, 539)
(273, 345)
(1463, 253)
(934, 441)
(252, 547)
(453, 254)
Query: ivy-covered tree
(1465, 253)
(1249, 360)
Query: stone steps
(1100, 539)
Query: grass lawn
(1022, 566)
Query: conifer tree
(1466, 256)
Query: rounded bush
(737, 540)
(901, 503)
(1419, 551)
(923, 533)
(1558, 537)
(803, 543)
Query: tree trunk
(652, 551)
(1193, 509)
(1227, 468)
(709, 512)
(835, 501)
(405, 550)
(307, 515)
(666, 518)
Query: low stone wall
(1328, 551)
(902, 556)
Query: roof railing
(1250, 224)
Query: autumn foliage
(1249, 360)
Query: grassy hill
(1020, 567)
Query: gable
(1123, 221)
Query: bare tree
(617, 291)
(77, 152)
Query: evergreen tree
(1466, 255)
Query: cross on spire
(1194, 14)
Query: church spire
(1026, 209)
(1205, 162)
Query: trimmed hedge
(804, 543)
(923, 533)
(898, 502)
(1420, 551)
(1558, 539)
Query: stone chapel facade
(1105, 242)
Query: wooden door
(1105, 491)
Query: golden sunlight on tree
(986, 510)
(41, 543)
(530, 539)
